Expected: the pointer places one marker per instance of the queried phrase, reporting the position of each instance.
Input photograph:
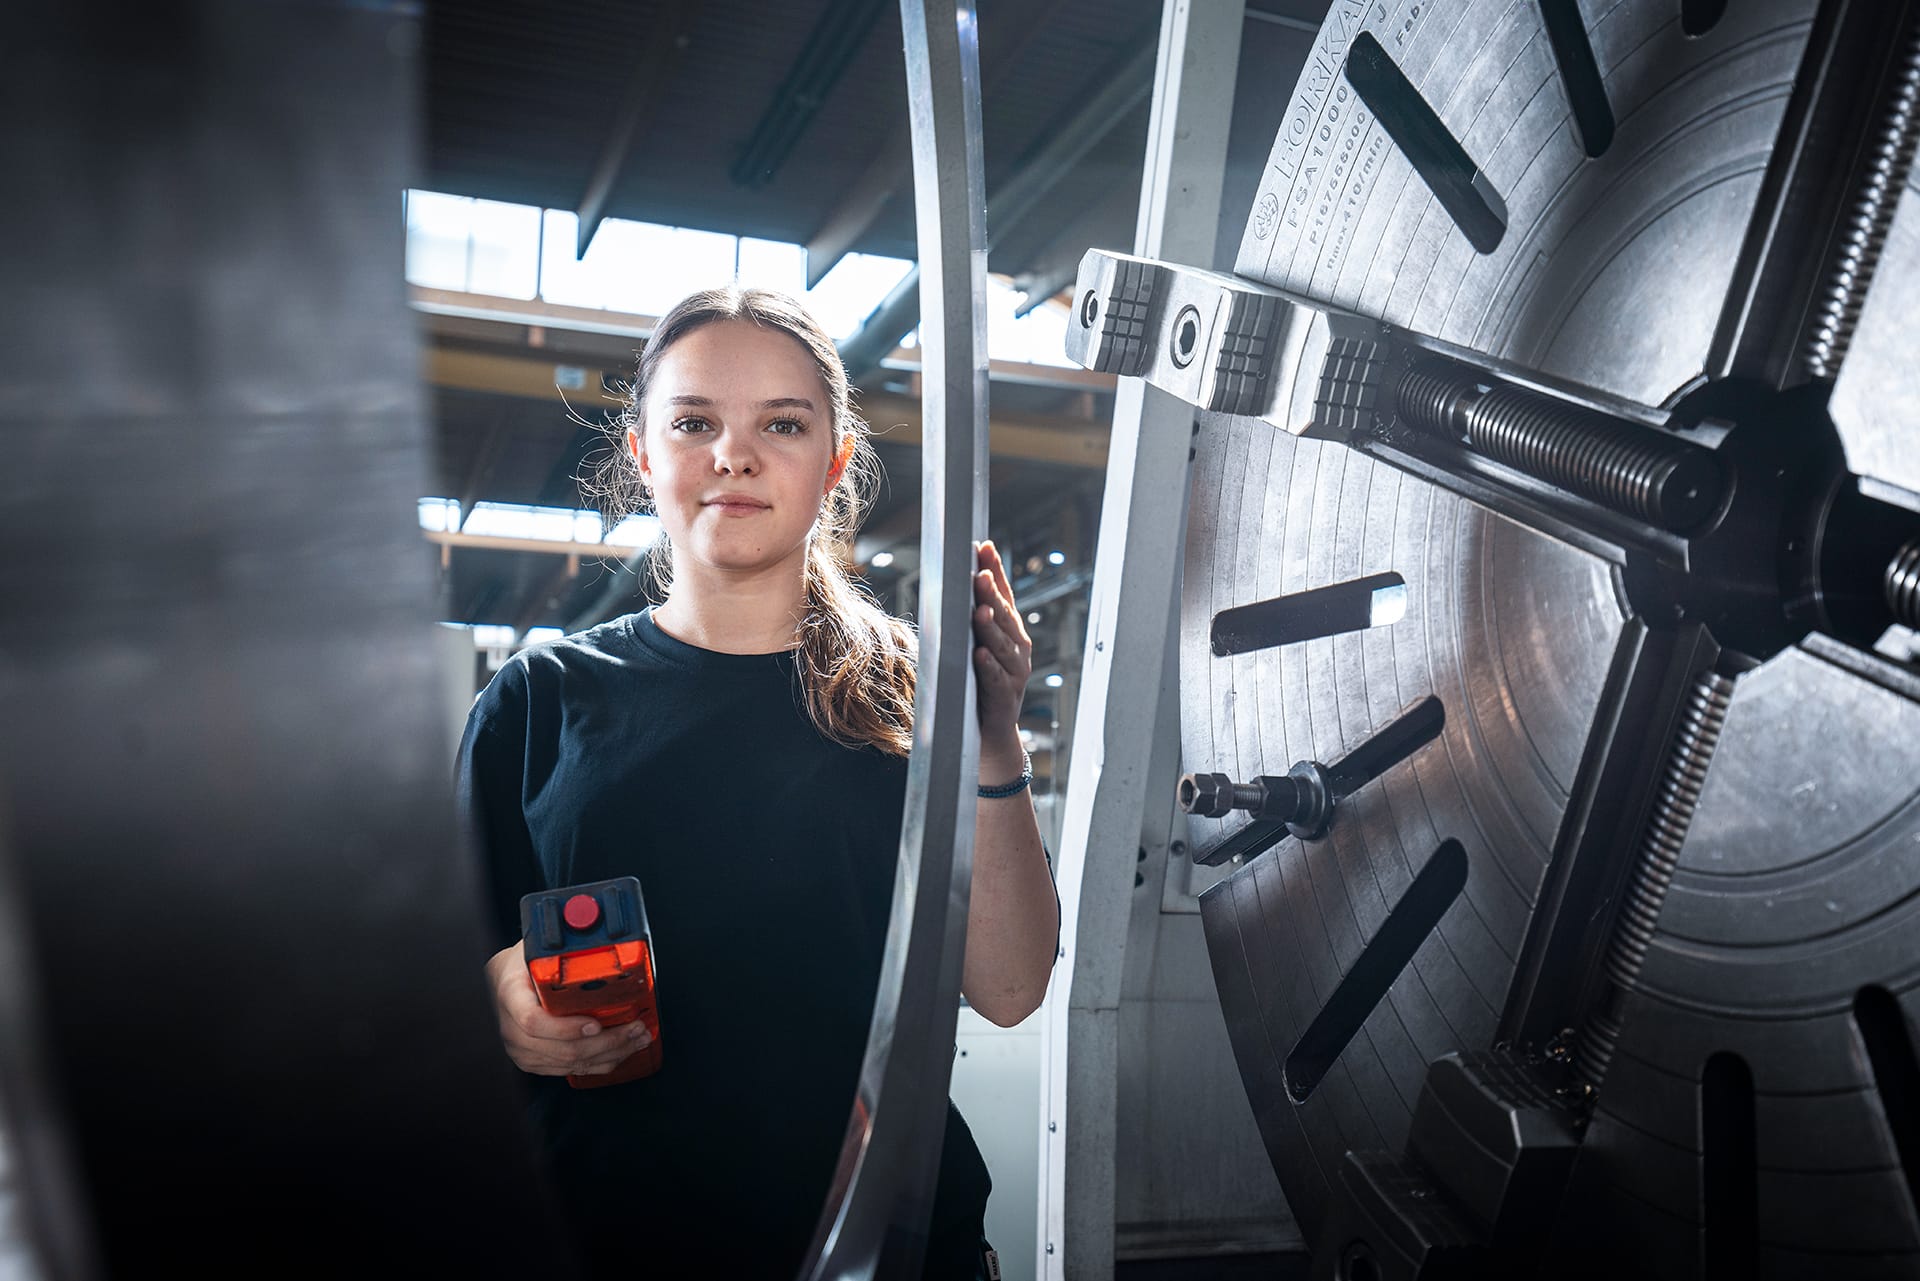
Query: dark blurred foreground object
(246, 1030)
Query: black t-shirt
(766, 854)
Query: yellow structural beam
(1060, 439)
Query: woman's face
(738, 446)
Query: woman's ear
(638, 454)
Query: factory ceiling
(784, 121)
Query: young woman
(741, 749)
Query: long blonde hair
(856, 662)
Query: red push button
(582, 911)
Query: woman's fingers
(993, 634)
(604, 1053)
(592, 1056)
(1003, 652)
(549, 1044)
(996, 589)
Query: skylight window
(544, 524)
(634, 531)
(847, 295)
(441, 515)
(503, 250)
(557, 524)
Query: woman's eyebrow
(778, 402)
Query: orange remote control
(589, 952)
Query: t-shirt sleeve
(489, 774)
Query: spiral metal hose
(1623, 466)
(1902, 585)
(1656, 858)
(1838, 308)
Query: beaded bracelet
(1014, 788)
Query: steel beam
(876, 1216)
(810, 81)
(892, 163)
(1112, 93)
(860, 206)
(1136, 568)
(643, 92)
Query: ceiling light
(1055, 680)
(881, 560)
(1056, 558)
(1034, 617)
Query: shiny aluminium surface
(1781, 947)
(875, 1220)
(1512, 631)
(1613, 270)
(1790, 922)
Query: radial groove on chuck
(1620, 465)
(1902, 584)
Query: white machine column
(1128, 661)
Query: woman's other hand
(1002, 661)
(547, 1044)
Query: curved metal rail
(875, 1219)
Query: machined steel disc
(1669, 836)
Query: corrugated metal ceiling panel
(520, 101)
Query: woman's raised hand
(548, 1044)
(1002, 659)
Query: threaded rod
(1656, 857)
(1623, 466)
(1868, 219)
(1902, 585)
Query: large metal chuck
(1548, 385)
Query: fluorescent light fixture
(536, 635)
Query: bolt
(1185, 336)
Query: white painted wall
(996, 1086)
